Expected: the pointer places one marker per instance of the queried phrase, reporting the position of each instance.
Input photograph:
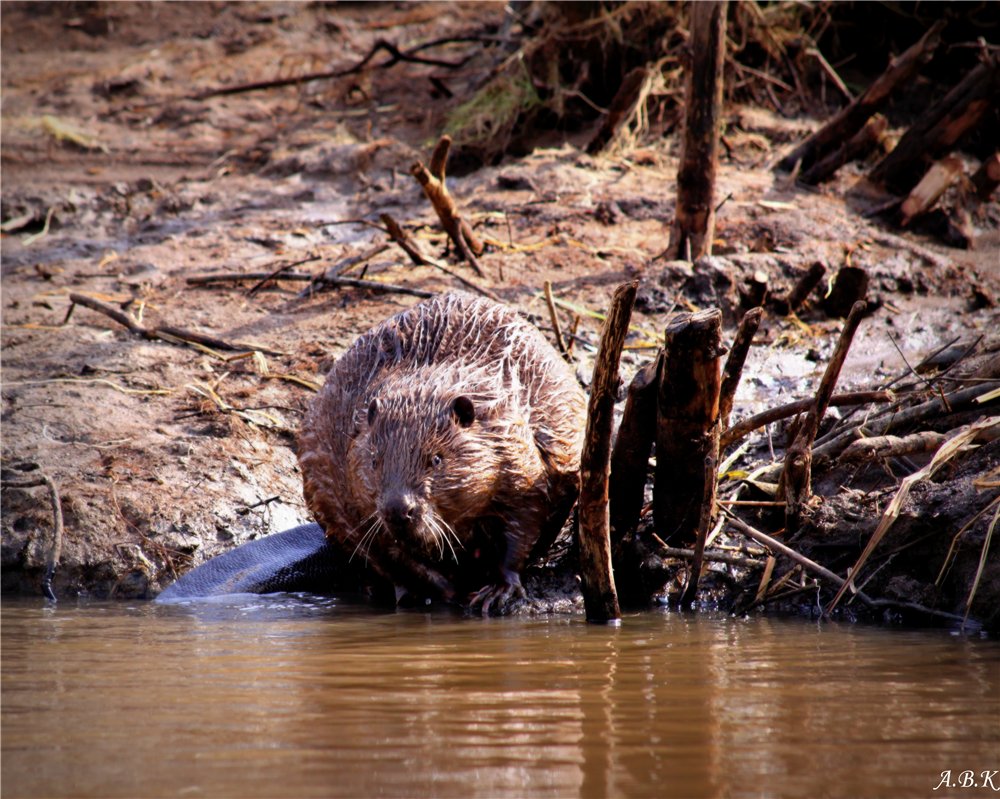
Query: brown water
(290, 697)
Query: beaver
(444, 450)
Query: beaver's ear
(372, 411)
(464, 410)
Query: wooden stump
(694, 220)
(687, 429)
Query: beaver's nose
(400, 512)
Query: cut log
(858, 146)
(630, 457)
(932, 185)
(694, 220)
(940, 127)
(600, 598)
(852, 118)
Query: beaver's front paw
(500, 597)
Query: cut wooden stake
(850, 286)
(694, 219)
(630, 457)
(687, 428)
(554, 317)
(851, 119)
(734, 363)
(593, 533)
(803, 288)
(796, 477)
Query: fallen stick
(858, 146)
(166, 333)
(600, 597)
(940, 127)
(361, 283)
(746, 426)
(879, 447)
(939, 406)
(796, 477)
(436, 191)
(396, 55)
(935, 182)
(851, 119)
(776, 546)
(238, 277)
(277, 273)
(733, 369)
(416, 254)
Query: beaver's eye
(436, 460)
(374, 464)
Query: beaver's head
(427, 463)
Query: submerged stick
(598, 582)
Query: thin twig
(555, 319)
(161, 332)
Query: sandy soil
(165, 454)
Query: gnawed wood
(630, 456)
(600, 597)
(851, 119)
(687, 427)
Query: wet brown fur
(447, 424)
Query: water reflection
(296, 697)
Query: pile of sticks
(921, 168)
